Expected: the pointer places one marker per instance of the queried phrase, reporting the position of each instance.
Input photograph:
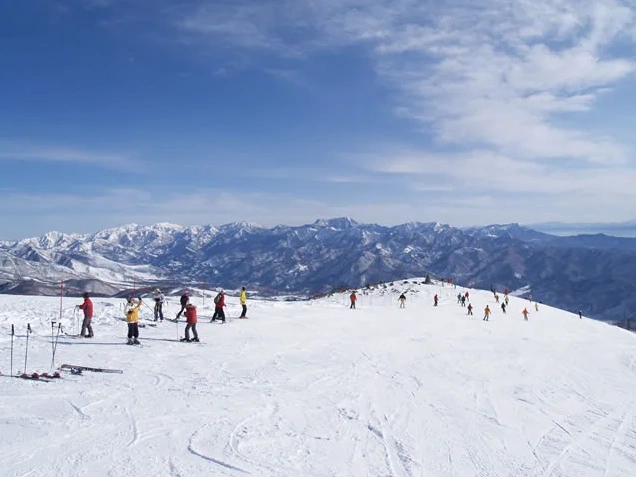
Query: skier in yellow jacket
(243, 301)
(486, 313)
(132, 318)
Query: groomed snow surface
(311, 388)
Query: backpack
(217, 299)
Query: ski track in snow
(314, 389)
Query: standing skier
(470, 309)
(580, 314)
(243, 301)
(191, 320)
(503, 308)
(185, 298)
(353, 299)
(435, 300)
(402, 300)
(132, 318)
(87, 308)
(525, 314)
(486, 313)
(159, 299)
(219, 303)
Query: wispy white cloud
(502, 84)
(495, 74)
(22, 151)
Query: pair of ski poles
(26, 352)
(54, 341)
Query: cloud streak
(26, 152)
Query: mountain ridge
(588, 272)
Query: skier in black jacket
(185, 298)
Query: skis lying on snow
(88, 368)
(143, 325)
(44, 377)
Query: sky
(285, 111)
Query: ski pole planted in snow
(59, 328)
(26, 352)
(12, 335)
(52, 335)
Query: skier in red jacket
(353, 299)
(191, 320)
(87, 307)
(219, 303)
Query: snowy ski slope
(312, 388)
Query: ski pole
(12, 334)
(177, 323)
(75, 318)
(26, 352)
(59, 328)
(52, 330)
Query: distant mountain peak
(337, 223)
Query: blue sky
(283, 111)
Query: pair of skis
(43, 378)
(89, 368)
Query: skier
(402, 300)
(185, 298)
(191, 320)
(159, 299)
(580, 315)
(459, 298)
(353, 299)
(466, 295)
(503, 308)
(486, 313)
(132, 319)
(463, 300)
(506, 299)
(435, 300)
(506, 291)
(243, 300)
(536, 306)
(219, 303)
(525, 314)
(87, 308)
(496, 298)
(470, 309)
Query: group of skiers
(188, 309)
(462, 299)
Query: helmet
(85, 295)
(157, 291)
(221, 290)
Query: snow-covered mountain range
(593, 273)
